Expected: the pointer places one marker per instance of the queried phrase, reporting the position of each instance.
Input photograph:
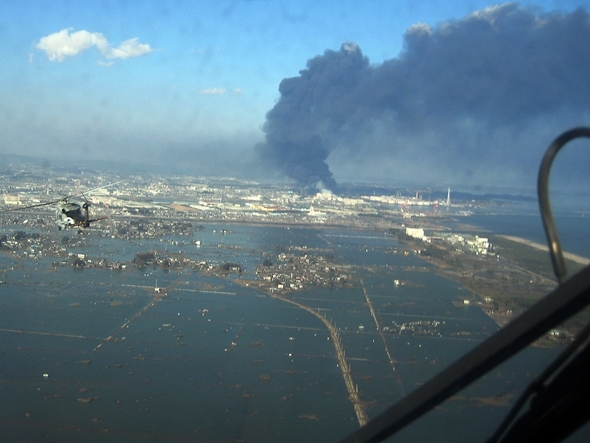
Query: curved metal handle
(544, 204)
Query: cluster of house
(297, 271)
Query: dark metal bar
(539, 383)
(544, 203)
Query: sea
(523, 220)
(99, 355)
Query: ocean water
(573, 229)
(94, 355)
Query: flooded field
(152, 354)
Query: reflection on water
(100, 355)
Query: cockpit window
(271, 221)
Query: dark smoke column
(312, 105)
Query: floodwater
(98, 355)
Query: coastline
(527, 284)
(573, 257)
(509, 286)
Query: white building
(415, 232)
(12, 200)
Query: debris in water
(309, 416)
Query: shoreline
(489, 286)
(570, 256)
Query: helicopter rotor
(64, 200)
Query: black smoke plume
(314, 103)
(461, 99)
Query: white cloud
(213, 91)
(129, 48)
(63, 44)
(238, 91)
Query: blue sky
(159, 81)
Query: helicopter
(70, 214)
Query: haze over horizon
(464, 94)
